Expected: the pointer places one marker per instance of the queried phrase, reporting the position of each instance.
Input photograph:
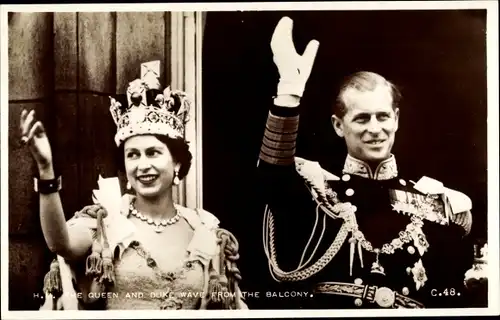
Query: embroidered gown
(425, 270)
(167, 272)
(177, 283)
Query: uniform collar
(386, 169)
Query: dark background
(437, 58)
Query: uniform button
(403, 183)
(349, 192)
(411, 250)
(358, 302)
(358, 281)
(346, 177)
(406, 291)
(408, 270)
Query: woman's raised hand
(294, 69)
(34, 136)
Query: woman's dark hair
(178, 147)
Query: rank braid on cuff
(278, 146)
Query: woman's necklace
(158, 226)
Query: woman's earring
(176, 177)
(129, 186)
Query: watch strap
(47, 186)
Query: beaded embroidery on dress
(143, 283)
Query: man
(385, 241)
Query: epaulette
(463, 219)
(314, 175)
(313, 170)
(459, 203)
(316, 178)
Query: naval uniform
(360, 238)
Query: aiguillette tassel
(224, 287)
(352, 242)
(108, 273)
(223, 280)
(52, 281)
(218, 288)
(214, 287)
(360, 252)
(222, 299)
(94, 260)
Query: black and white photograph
(335, 159)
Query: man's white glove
(294, 69)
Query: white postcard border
(493, 155)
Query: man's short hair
(364, 81)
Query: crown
(148, 110)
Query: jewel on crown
(148, 110)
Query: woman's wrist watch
(47, 186)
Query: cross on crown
(147, 109)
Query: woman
(142, 251)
